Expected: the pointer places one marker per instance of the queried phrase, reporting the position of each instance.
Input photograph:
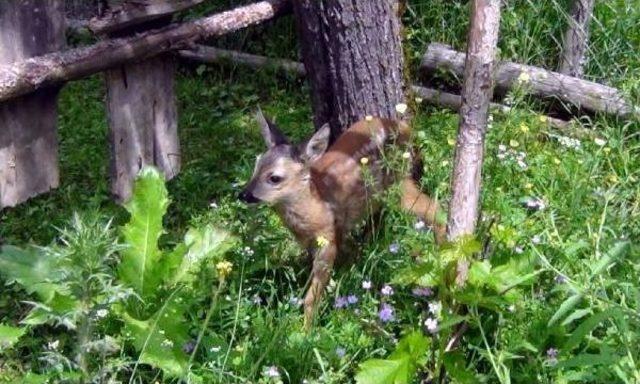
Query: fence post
(143, 121)
(28, 139)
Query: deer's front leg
(323, 260)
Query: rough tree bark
(28, 141)
(477, 92)
(353, 56)
(587, 95)
(29, 75)
(576, 39)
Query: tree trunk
(583, 94)
(28, 140)
(477, 92)
(353, 56)
(576, 39)
(27, 76)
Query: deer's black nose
(248, 197)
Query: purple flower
(387, 290)
(340, 352)
(552, 356)
(561, 279)
(422, 291)
(188, 347)
(352, 299)
(341, 302)
(386, 313)
(394, 248)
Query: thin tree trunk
(28, 140)
(353, 56)
(576, 39)
(587, 95)
(27, 76)
(477, 92)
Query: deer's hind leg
(413, 200)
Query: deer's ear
(270, 132)
(317, 144)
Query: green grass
(592, 198)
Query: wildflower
(511, 308)
(418, 100)
(422, 291)
(394, 248)
(53, 345)
(534, 204)
(213, 205)
(536, 239)
(600, 142)
(256, 299)
(451, 142)
(295, 301)
(386, 313)
(435, 308)
(340, 302)
(101, 313)
(502, 148)
(431, 324)
(419, 225)
(568, 142)
(272, 371)
(215, 349)
(401, 108)
(528, 186)
(514, 143)
(444, 163)
(247, 251)
(368, 118)
(364, 161)
(322, 241)
(606, 150)
(557, 161)
(524, 128)
(387, 290)
(166, 343)
(524, 77)
(352, 299)
(224, 268)
(518, 250)
(406, 155)
(340, 352)
(552, 356)
(366, 285)
(543, 118)
(188, 347)
(560, 279)
(522, 164)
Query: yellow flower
(514, 143)
(524, 128)
(445, 163)
(543, 118)
(613, 178)
(224, 268)
(451, 142)
(368, 117)
(524, 77)
(606, 150)
(406, 155)
(401, 108)
(557, 161)
(528, 186)
(322, 241)
(364, 161)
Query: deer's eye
(275, 179)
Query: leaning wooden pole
(576, 39)
(26, 76)
(477, 92)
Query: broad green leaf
(463, 248)
(415, 344)
(577, 314)
(584, 328)
(203, 244)
(618, 251)
(565, 307)
(141, 258)
(160, 338)
(479, 273)
(34, 378)
(60, 310)
(588, 359)
(378, 371)
(412, 274)
(456, 367)
(10, 335)
(35, 272)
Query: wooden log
(590, 96)
(477, 92)
(28, 140)
(211, 55)
(132, 13)
(143, 121)
(29, 75)
(576, 39)
(454, 102)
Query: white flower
(401, 108)
(366, 285)
(368, 118)
(272, 371)
(419, 225)
(524, 77)
(512, 308)
(406, 155)
(213, 205)
(418, 100)
(431, 324)
(435, 308)
(100, 313)
(215, 349)
(502, 148)
(600, 142)
(536, 239)
(53, 345)
(166, 343)
(387, 290)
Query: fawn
(320, 192)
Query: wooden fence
(135, 38)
